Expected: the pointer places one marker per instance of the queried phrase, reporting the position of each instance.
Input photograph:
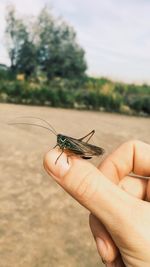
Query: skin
(118, 204)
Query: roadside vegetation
(48, 67)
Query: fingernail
(56, 169)
(102, 248)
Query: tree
(59, 55)
(21, 48)
(26, 61)
(50, 46)
(14, 29)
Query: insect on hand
(71, 146)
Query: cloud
(114, 33)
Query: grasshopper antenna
(33, 124)
(32, 117)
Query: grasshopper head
(61, 140)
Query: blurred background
(80, 65)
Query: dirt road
(40, 225)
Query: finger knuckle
(86, 189)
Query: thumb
(91, 188)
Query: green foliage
(47, 45)
(26, 59)
(3, 74)
(45, 50)
(107, 96)
(59, 55)
(57, 94)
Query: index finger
(132, 156)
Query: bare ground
(40, 225)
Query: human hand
(120, 220)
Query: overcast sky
(115, 34)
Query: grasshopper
(77, 147)
(71, 146)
